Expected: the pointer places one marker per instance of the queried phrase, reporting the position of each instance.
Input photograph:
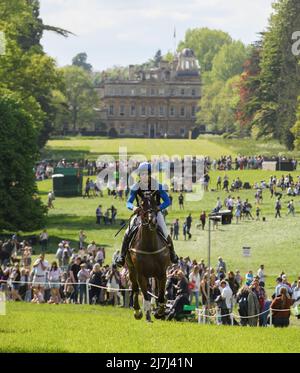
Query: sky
(123, 32)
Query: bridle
(148, 216)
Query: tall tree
(279, 77)
(206, 43)
(80, 97)
(80, 60)
(25, 68)
(249, 89)
(229, 61)
(20, 208)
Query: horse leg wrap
(147, 305)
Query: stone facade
(159, 102)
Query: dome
(187, 52)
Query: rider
(141, 188)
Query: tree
(229, 61)
(296, 128)
(25, 68)
(80, 60)
(80, 97)
(279, 76)
(157, 58)
(206, 43)
(249, 89)
(20, 208)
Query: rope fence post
(87, 296)
(271, 321)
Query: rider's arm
(166, 199)
(131, 199)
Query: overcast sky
(123, 32)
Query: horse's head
(149, 210)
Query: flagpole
(174, 36)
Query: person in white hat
(145, 185)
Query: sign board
(246, 251)
(269, 165)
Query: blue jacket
(163, 194)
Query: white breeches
(160, 222)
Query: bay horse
(148, 257)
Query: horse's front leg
(138, 314)
(161, 283)
(143, 282)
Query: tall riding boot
(174, 258)
(120, 261)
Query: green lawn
(80, 328)
(77, 147)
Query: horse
(148, 257)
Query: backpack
(243, 306)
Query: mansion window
(161, 111)
(122, 110)
(111, 109)
(143, 111)
(193, 110)
(132, 110)
(143, 91)
(151, 110)
(152, 92)
(161, 91)
(193, 92)
(182, 91)
(182, 111)
(172, 111)
(132, 91)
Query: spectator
(182, 296)
(296, 298)
(176, 229)
(203, 219)
(181, 201)
(40, 267)
(83, 276)
(82, 238)
(194, 285)
(54, 278)
(95, 279)
(249, 278)
(99, 214)
(253, 307)
(278, 208)
(51, 198)
(75, 268)
(281, 309)
(261, 275)
(221, 264)
(189, 225)
(59, 254)
(225, 302)
(113, 285)
(15, 277)
(242, 301)
(44, 240)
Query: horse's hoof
(138, 315)
(149, 321)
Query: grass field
(80, 328)
(72, 328)
(208, 145)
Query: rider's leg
(161, 223)
(120, 261)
